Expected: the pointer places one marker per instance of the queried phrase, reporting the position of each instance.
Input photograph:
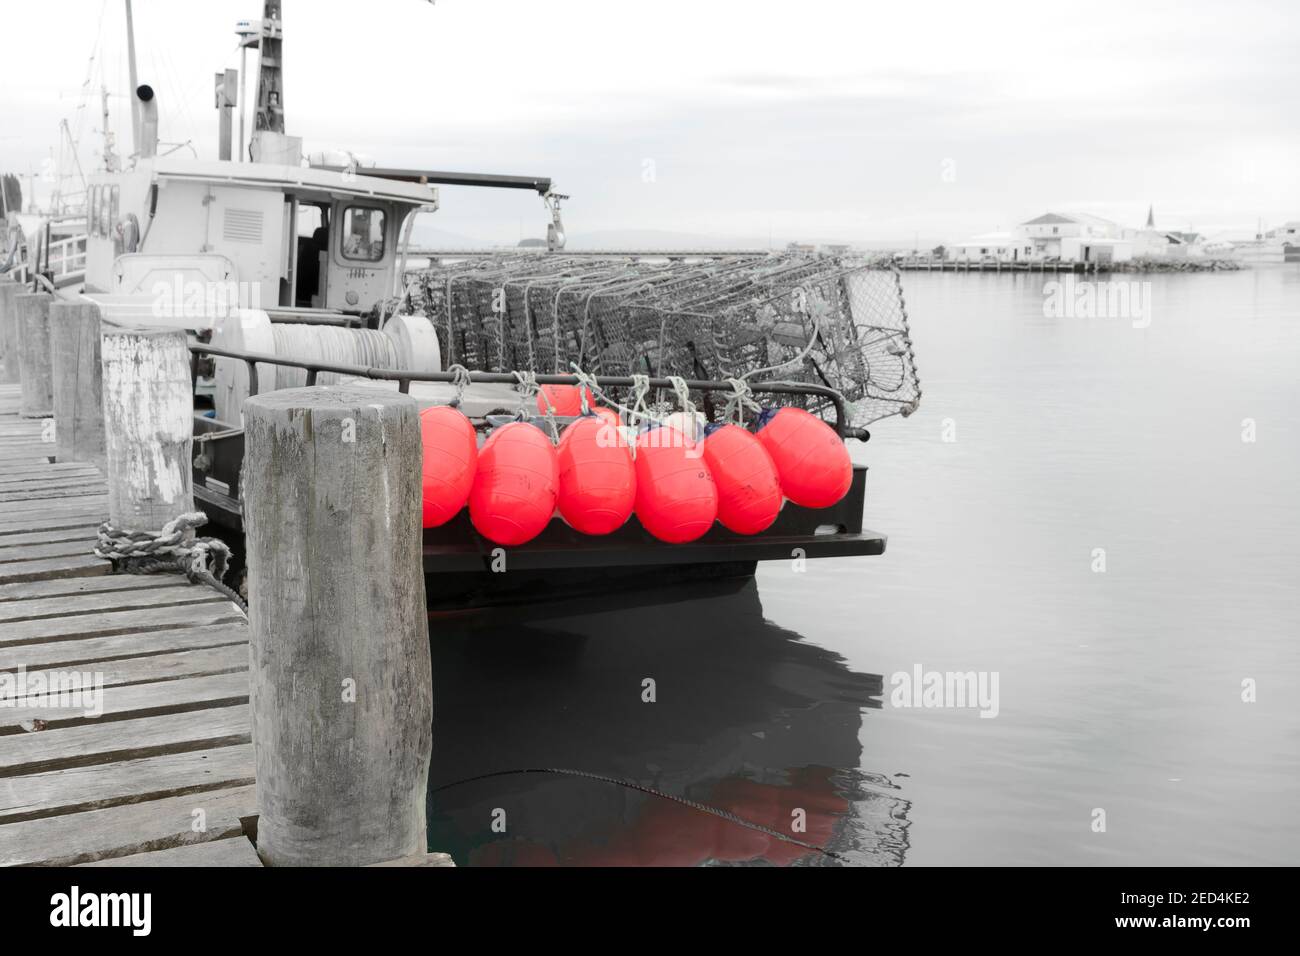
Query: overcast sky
(744, 118)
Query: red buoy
(811, 459)
(514, 490)
(450, 460)
(676, 499)
(566, 400)
(597, 477)
(749, 490)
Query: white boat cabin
(289, 237)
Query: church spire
(1151, 216)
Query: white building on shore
(1079, 237)
(986, 247)
(1069, 237)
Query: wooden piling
(34, 355)
(148, 426)
(78, 383)
(8, 331)
(341, 684)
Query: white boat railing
(65, 260)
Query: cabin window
(363, 233)
(92, 211)
(311, 219)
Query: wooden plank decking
(163, 776)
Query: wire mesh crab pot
(826, 321)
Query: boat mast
(134, 79)
(269, 117)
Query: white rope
(529, 388)
(742, 397)
(461, 381)
(683, 395)
(633, 414)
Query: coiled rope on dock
(332, 346)
(176, 548)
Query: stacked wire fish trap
(823, 321)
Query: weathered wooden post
(342, 695)
(34, 355)
(148, 426)
(78, 382)
(8, 331)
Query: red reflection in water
(665, 833)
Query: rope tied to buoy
(176, 548)
(528, 388)
(683, 395)
(461, 381)
(741, 398)
(640, 411)
(586, 387)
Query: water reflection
(747, 718)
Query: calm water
(1119, 691)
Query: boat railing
(63, 261)
(404, 378)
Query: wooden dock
(932, 264)
(164, 776)
(1056, 266)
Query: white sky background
(808, 120)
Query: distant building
(1072, 237)
(986, 247)
(1152, 243)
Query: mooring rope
(175, 548)
(684, 801)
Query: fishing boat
(290, 270)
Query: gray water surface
(1042, 446)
